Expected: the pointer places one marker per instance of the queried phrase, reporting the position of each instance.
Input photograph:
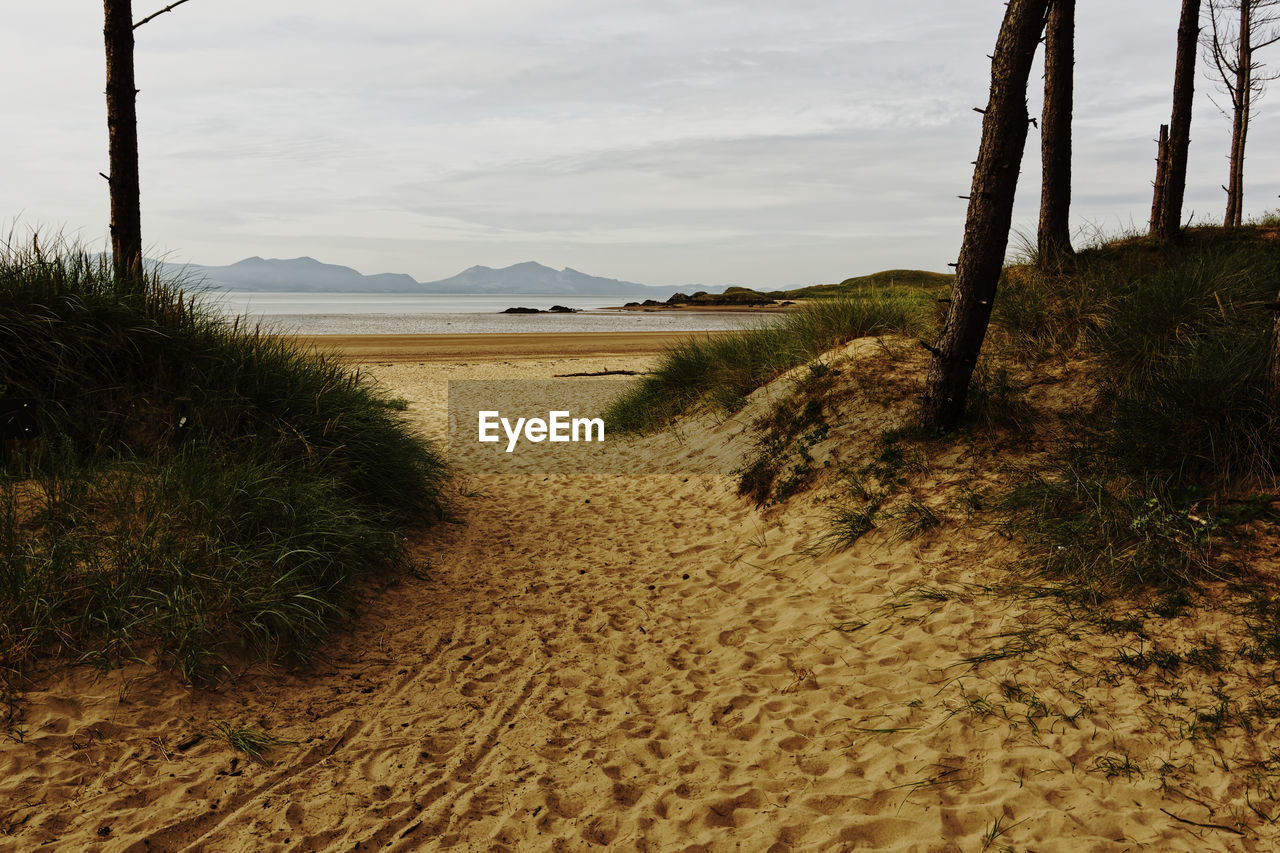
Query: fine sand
(650, 662)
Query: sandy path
(648, 663)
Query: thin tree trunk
(1167, 221)
(1235, 187)
(1159, 197)
(122, 127)
(1233, 172)
(986, 233)
(1239, 164)
(1054, 235)
(1240, 121)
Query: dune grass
(199, 491)
(719, 371)
(1175, 339)
(252, 741)
(1101, 534)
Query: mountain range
(307, 275)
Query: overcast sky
(665, 142)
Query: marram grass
(720, 370)
(199, 492)
(1174, 339)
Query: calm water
(396, 313)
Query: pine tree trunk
(1167, 221)
(122, 127)
(1241, 97)
(1054, 234)
(1235, 186)
(1244, 135)
(1159, 196)
(1233, 172)
(986, 233)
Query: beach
(653, 662)
(499, 347)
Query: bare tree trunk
(1233, 51)
(986, 233)
(122, 127)
(1159, 197)
(1235, 177)
(1054, 236)
(1240, 121)
(1166, 223)
(1237, 174)
(1233, 187)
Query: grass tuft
(253, 742)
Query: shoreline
(776, 308)
(490, 346)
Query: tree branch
(168, 8)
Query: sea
(425, 314)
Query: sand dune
(652, 663)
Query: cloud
(724, 141)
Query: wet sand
(489, 347)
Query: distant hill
(534, 278)
(886, 278)
(307, 275)
(912, 279)
(298, 274)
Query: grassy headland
(850, 287)
(197, 491)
